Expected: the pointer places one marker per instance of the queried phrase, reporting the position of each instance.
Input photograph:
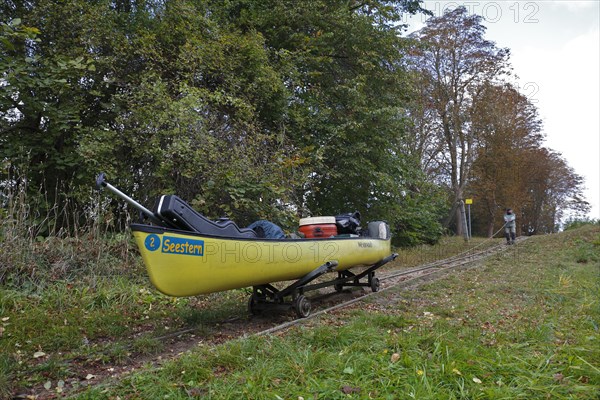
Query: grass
(530, 333)
(74, 326)
(522, 325)
(72, 303)
(447, 247)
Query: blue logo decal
(152, 242)
(183, 246)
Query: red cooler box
(318, 227)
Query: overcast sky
(555, 53)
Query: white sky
(555, 54)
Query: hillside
(522, 323)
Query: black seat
(182, 216)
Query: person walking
(510, 226)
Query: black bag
(348, 223)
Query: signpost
(468, 202)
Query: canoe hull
(187, 264)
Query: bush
(578, 223)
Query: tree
(509, 129)
(513, 169)
(455, 63)
(153, 92)
(40, 108)
(553, 188)
(194, 106)
(244, 108)
(346, 89)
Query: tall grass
(61, 285)
(36, 250)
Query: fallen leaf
(4, 319)
(199, 393)
(47, 385)
(559, 377)
(456, 371)
(38, 354)
(476, 379)
(350, 390)
(395, 357)
(89, 376)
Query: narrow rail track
(405, 277)
(266, 323)
(454, 262)
(238, 327)
(325, 300)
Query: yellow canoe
(181, 263)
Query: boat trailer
(268, 297)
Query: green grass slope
(523, 324)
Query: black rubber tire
(375, 284)
(302, 306)
(252, 303)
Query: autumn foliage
(479, 136)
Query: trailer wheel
(375, 285)
(302, 306)
(252, 305)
